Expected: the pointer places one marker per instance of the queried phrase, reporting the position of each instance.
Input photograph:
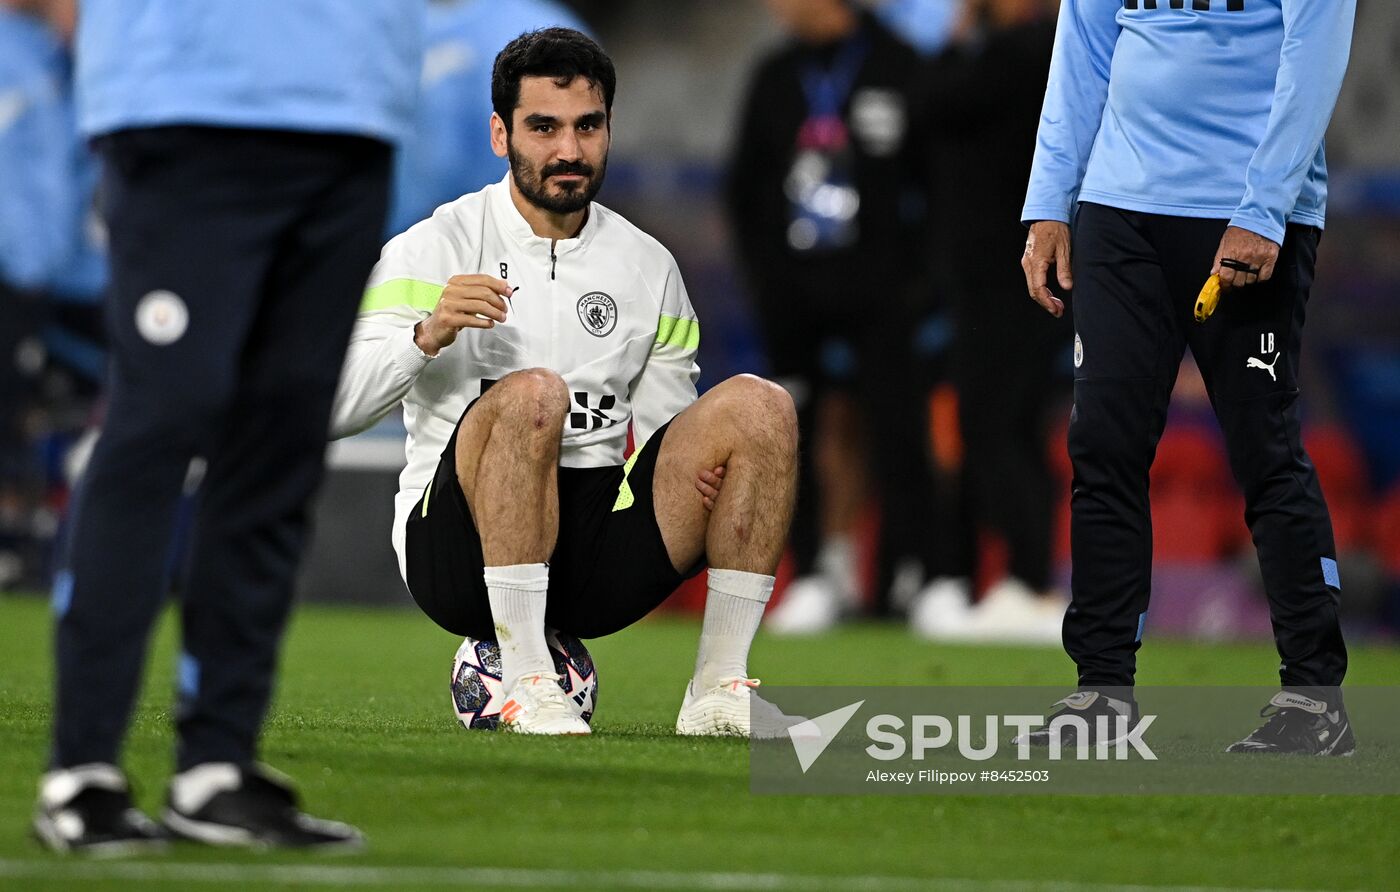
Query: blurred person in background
(820, 195)
(446, 155)
(1178, 147)
(37, 144)
(40, 222)
(984, 99)
(928, 25)
(247, 162)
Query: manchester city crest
(598, 313)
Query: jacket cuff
(1259, 225)
(410, 360)
(1032, 213)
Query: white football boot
(732, 709)
(537, 705)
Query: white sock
(733, 609)
(517, 596)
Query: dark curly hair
(559, 53)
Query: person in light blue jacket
(37, 151)
(446, 156)
(35, 143)
(247, 152)
(1183, 142)
(52, 246)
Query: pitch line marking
(502, 877)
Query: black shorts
(608, 570)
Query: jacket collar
(515, 223)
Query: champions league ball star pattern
(476, 679)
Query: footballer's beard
(533, 183)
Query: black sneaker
(223, 804)
(87, 809)
(1122, 716)
(1298, 724)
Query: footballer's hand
(1047, 245)
(709, 483)
(466, 302)
(1244, 258)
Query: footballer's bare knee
(535, 399)
(758, 410)
(524, 412)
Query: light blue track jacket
(325, 66)
(39, 192)
(1192, 108)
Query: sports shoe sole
(512, 729)
(49, 837)
(1265, 751)
(1343, 737)
(224, 836)
(728, 728)
(712, 730)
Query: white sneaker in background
(906, 584)
(1012, 613)
(838, 562)
(942, 609)
(809, 606)
(732, 709)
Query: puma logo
(1257, 363)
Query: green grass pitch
(362, 722)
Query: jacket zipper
(553, 311)
(553, 314)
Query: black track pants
(238, 259)
(1136, 280)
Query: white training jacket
(606, 310)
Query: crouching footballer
(523, 328)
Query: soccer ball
(477, 696)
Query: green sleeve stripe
(402, 292)
(673, 331)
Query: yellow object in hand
(1208, 299)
